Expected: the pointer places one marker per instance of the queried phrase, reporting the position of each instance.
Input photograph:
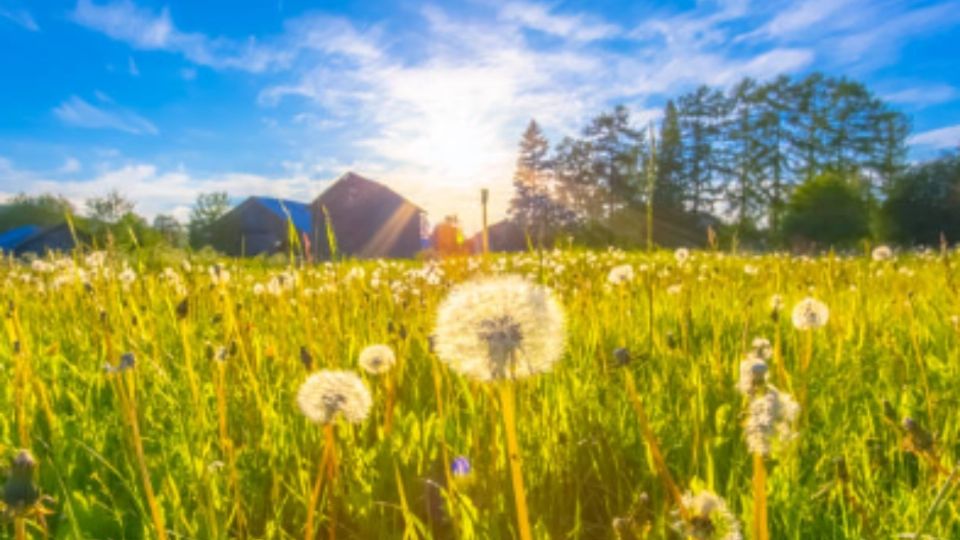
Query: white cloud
(155, 191)
(946, 137)
(146, 30)
(20, 17)
(923, 94)
(70, 165)
(77, 112)
(576, 27)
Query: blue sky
(166, 99)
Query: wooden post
(484, 197)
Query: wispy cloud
(20, 17)
(937, 139)
(153, 190)
(577, 27)
(923, 94)
(77, 112)
(148, 30)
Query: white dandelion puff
(770, 420)
(500, 328)
(882, 253)
(377, 359)
(681, 255)
(762, 348)
(776, 303)
(674, 289)
(810, 314)
(327, 393)
(710, 518)
(620, 274)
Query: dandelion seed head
(681, 255)
(881, 253)
(620, 274)
(810, 314)
(762, 348)
(329, 392)
(770, 420)
(377, 359)
(500, 328)
(710, 518)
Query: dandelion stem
(508, 401)
(760, 531)
(127, 402)
(388, 412)
(327, 463)
(20, 528)
(651, 439)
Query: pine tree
(615, 146)
(669, 186)
(534, 206)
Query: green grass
(890, 337)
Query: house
(503, 235)
(37, 240)
(11, 239)
(260, 225)
(369, 220)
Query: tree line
(737, 153)
(111, 219)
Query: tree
(208, 208)
(924, 202)
(44, 210)
(535, 206)
(169, 229)
(576, 186)
(532, 175)
(615, 147)
(701, 114)
(668, 192)
(830, 209)
(110, 208)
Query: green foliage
(44, 210)
(830, 210)
(924, 201)
(208, 208)
(109, 208)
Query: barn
(260, 225)
(502, 236)
(369, 220)
(37, 240)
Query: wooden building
(369, 220)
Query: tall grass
(194, 445)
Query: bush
(829, 209)
(925, 201)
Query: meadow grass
(196, 434)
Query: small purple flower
(460, 466)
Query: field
(160, 392)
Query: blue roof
(299, 212)
(9, 240)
